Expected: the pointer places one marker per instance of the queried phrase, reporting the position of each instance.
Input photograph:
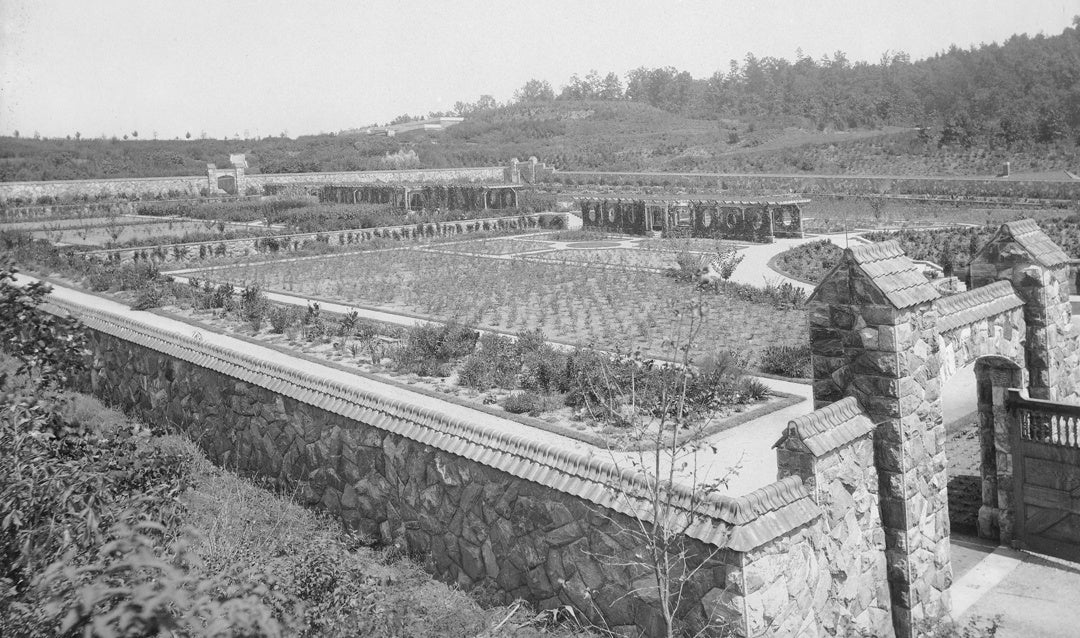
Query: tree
(611, 88)
(959, 130)
(78, 135)
(668, 408)
(535, 91)
(187, 136)
(135, 134)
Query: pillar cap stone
(887, 269)
(828, 428)
(1026, 234)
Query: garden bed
(496, 246)
(557, 417)
(610, 308)
(621, 257)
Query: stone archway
(881, 333)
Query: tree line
(1025, 89)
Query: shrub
(429, 348)
(150, 295)
(543, 368)
(49, 348)
(531, 403)
(221, 295)
(254, 306)
(788, 361)
(281, 317)
(753, 389)
(495, 365)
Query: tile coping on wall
(739, 523)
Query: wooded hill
(958, 112)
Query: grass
(610, 308)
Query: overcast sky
(305, 66)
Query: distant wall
(148, 187)
(810, 185)
(145, 187)
(270, 244)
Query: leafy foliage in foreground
(108, 529)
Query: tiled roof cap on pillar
(1030, 237)
(827, 428)
(899, 279)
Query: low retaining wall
(480, 505)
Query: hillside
(961, 112)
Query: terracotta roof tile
(1042, 249)
(827, 428)
(968, 307)
(898, 278)
(895, 275)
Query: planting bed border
(784, 399)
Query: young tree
(667, 408)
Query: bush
(254, 306)
(753, 389)
(495, 365)
(787, 361)
(281, 317)
(531, 403)
(429, 348)
(150, 295)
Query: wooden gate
(1046, 440)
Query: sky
(258, 68)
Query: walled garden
(611, 308)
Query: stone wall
(497, 174)
(984, 190)
(251, 246)
(832, 450)
(145, 187)
(149, 187)
(481, 506)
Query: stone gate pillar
(872, 337)
(993, 377)
(1020, 252)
